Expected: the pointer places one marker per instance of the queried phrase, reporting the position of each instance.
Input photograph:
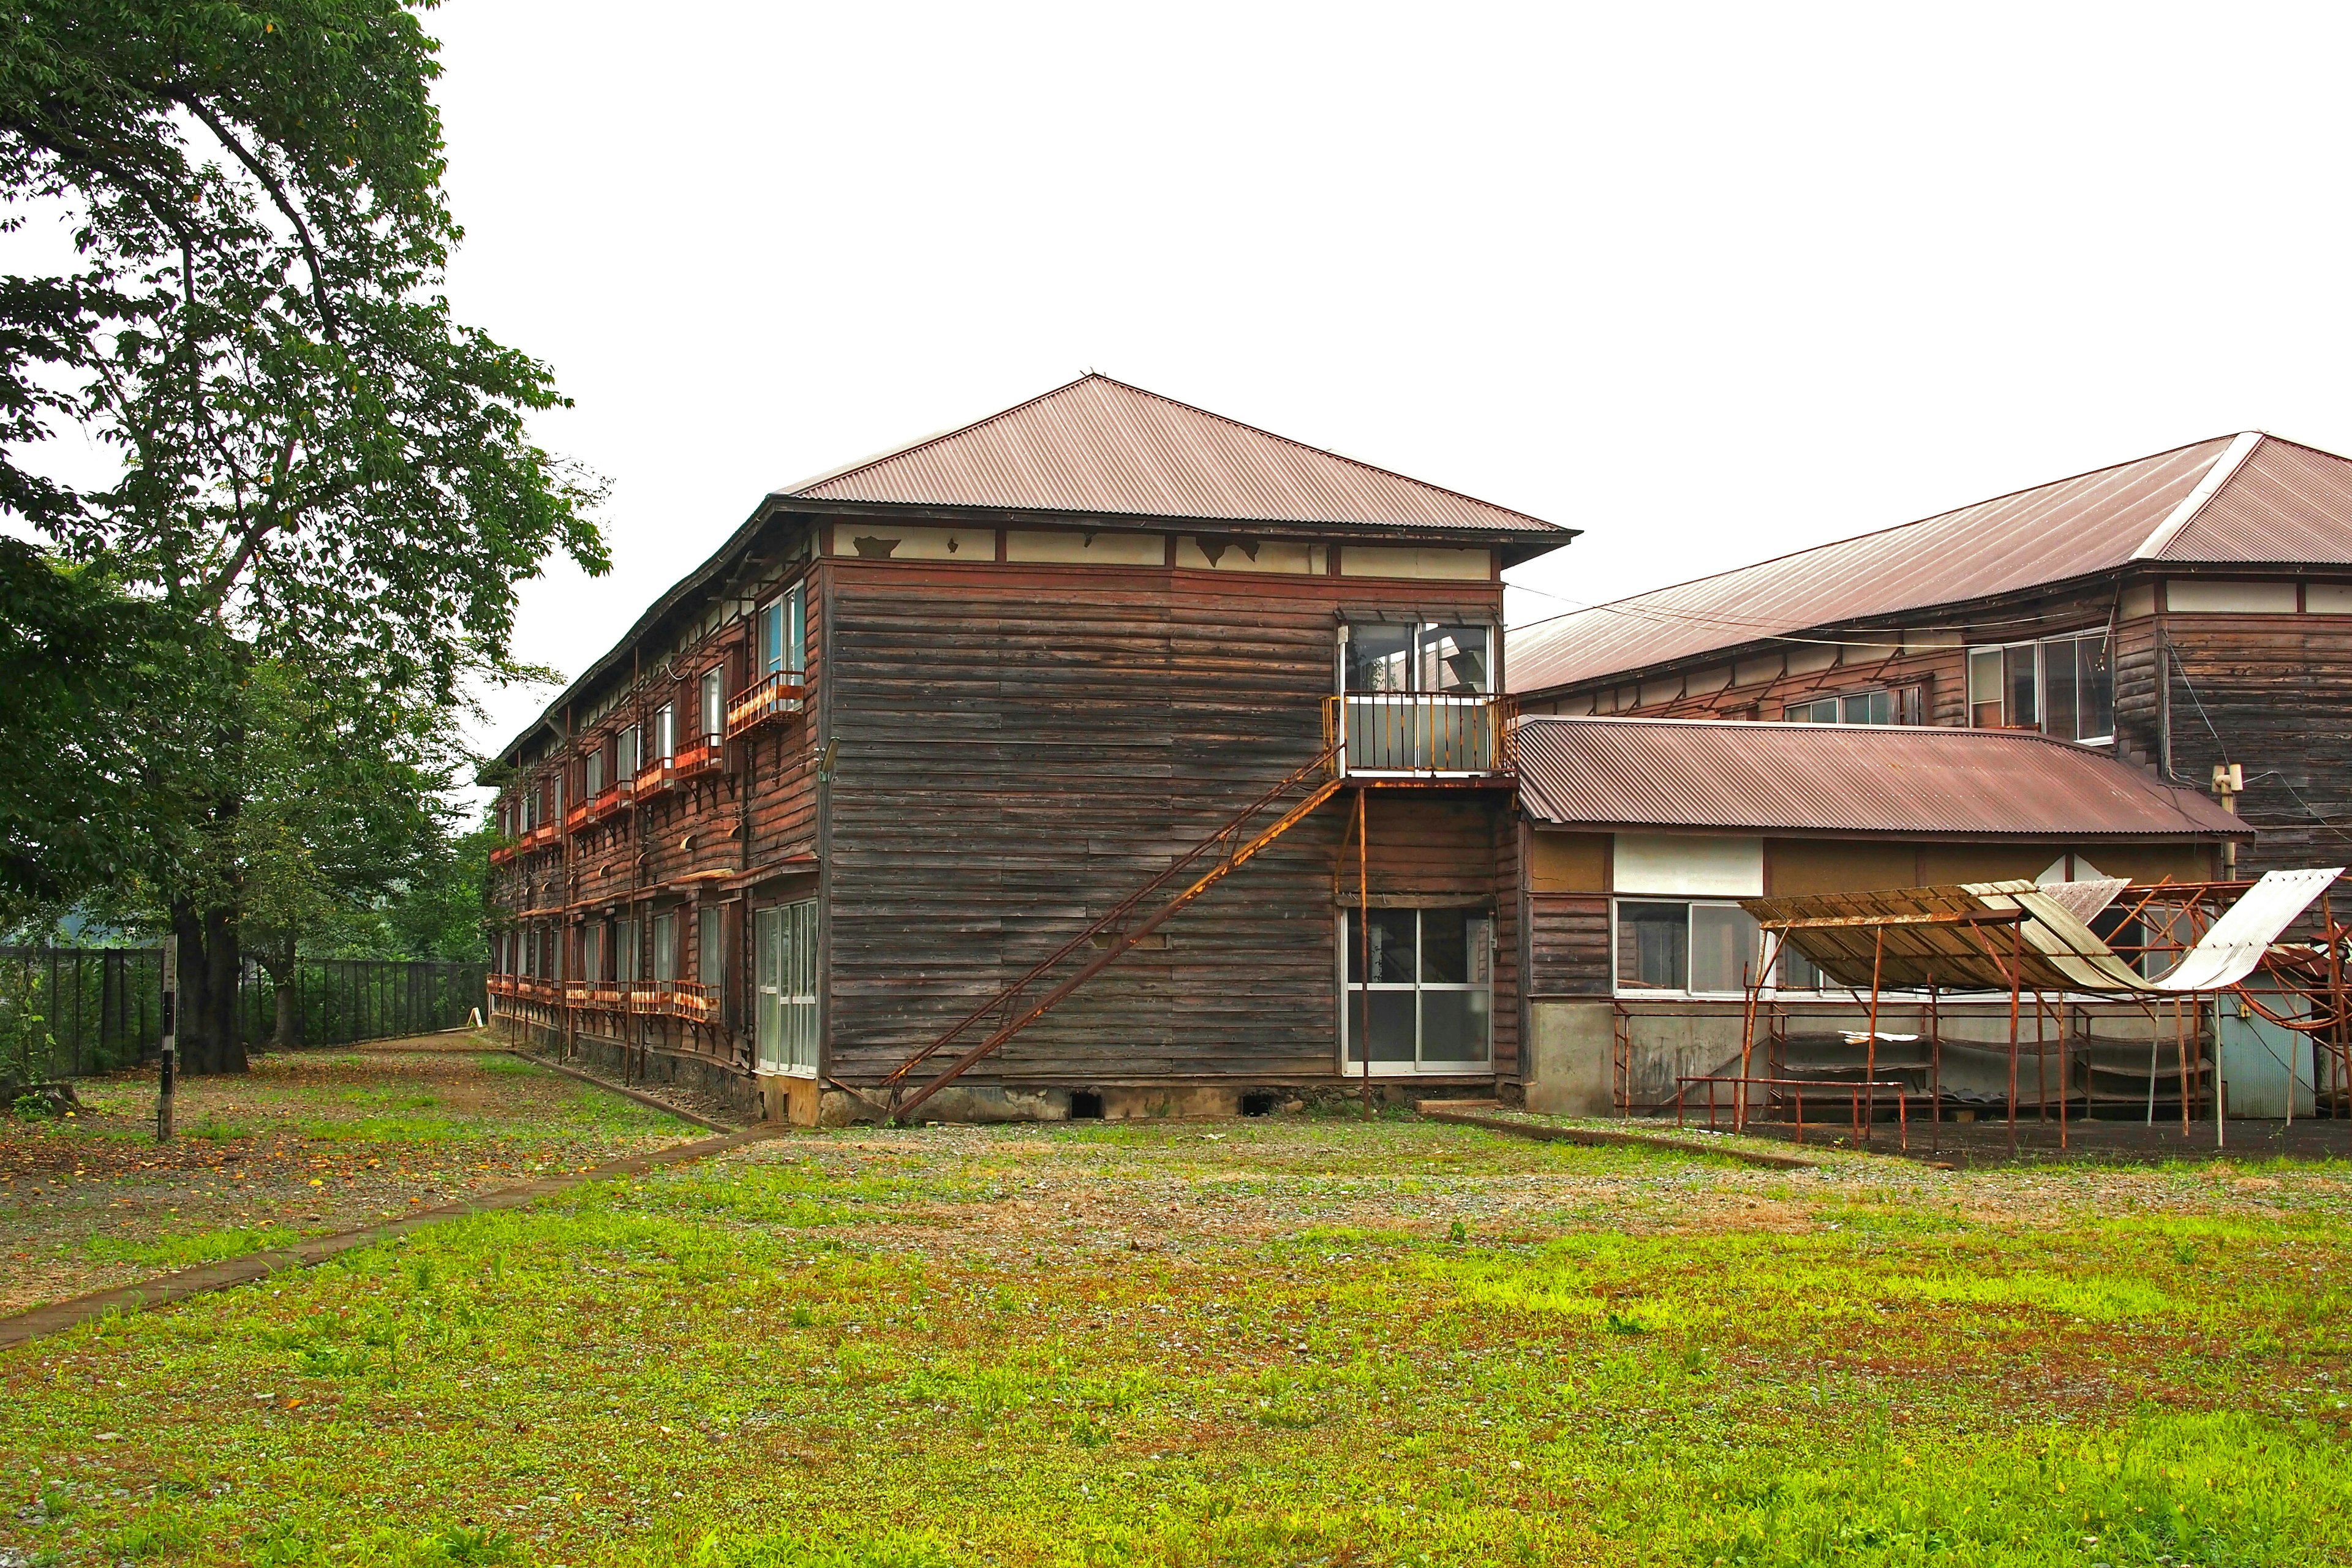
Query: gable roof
(1098, 447)
(1737, 775)
(2250, 498)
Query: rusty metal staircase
(1209, 862)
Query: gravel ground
(307, 1143)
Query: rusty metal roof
(2270, 502)
(1098, 447)
(1733, 775)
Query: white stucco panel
(1691, 865)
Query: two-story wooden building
(1078, 762)
(2179, 611)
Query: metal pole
(1364, 942)
(171, 1048)
(1870, 1052)
(1934, 1070)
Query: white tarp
(2226, 955)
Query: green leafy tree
(320, 467)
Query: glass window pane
(1391, 932)
(796, 632)
(1797, 972)
(710, 959)
(2095, 687)
(1724, 947)
(1391, 1028)
(1869, 708)
(2020, 685)
(1453, 659)
(1454, 1025)
(1984, 688)
(2058, 693)
(1380, 656)
(1444, 947)
(1652, 946)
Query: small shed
(1642, 836)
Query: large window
(783, 632)
(593, 774)
(592, 950)
(1886, 705)
(1425, 1002)
(628, 753)
(664, 735)
(714, 705)
(625, 951)
(784, 1021)
(1452, 660)
(1416, 697)
(665, 953)
(710, 957)
(2061, 686)
(1685, 947)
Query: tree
(319, 466)
(341, 815)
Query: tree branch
(278, 198)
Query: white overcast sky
(1709, 283)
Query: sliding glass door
(784, 969)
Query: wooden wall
(1020, 747)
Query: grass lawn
(1282, 1340)
(307, 1143)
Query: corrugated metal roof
(1100, 447)
(1732, 775)
(2282, 503)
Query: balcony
(702, 754)
(782, 692)
(502, 853)
(1422, 735)
(501, 985)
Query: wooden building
(2185, 610)
(898, 756)
(1644, 836)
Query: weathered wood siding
(2274, 693)
(1568, 944)
(1021, 747)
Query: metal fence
(72, 1012)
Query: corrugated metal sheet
(1101, 448)
(1845, 778)
(2284, 503)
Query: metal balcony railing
(784, 693)
(702, 754)
(1420, 735)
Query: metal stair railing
(1231, 853)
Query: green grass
(186, 1251)
(1292, 1341)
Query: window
(784, 952)
(664, 735)
(783, 632)
(1684, 946)
(592, 950)
(628, 753)
(1415, 698)
(665, 947)
(593, 776)
(2061, 686)
(625, 950)
(1425, 1002)
(710, 960)
(714, 705)
(1897, 705)
(1452, 661)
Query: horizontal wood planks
(1568, 944)
(1019, 751)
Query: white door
(785, 942)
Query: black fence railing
(72, 1012)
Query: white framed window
(628, 753)
(1424, 1002)
(1417, 697)
(784, 1023)
(714, 705)
(592, 773)
(1882, 705)
(783, 632)
(1683, 947)
(665, 953)
(710, 954)
(625, 951)
(2063, 687)
(664, 735)
(592, 950)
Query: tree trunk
(283, 1037)
(210, 1038)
